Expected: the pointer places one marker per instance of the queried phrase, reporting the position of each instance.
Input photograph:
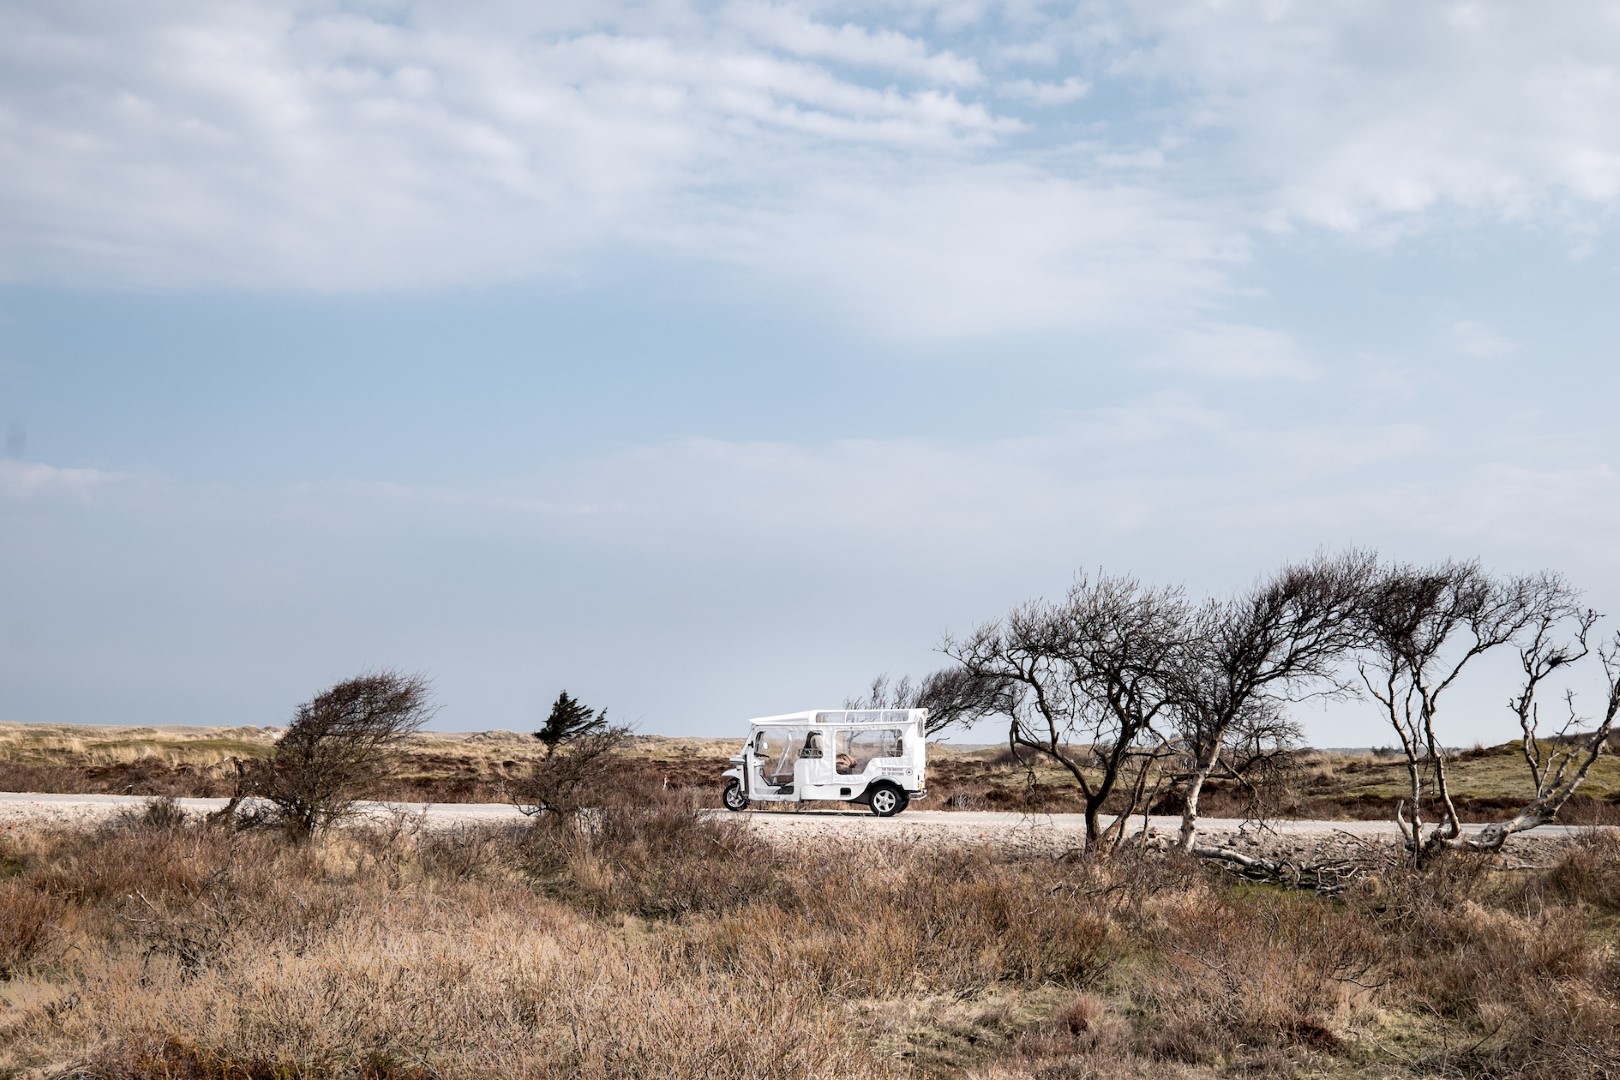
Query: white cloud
(796, 33)
(1476, 339)
(1358, 116)
(1069, 90)
(830, 146)
(1146, 158)
(990, 249)
(1235, 351)
(1042, 53)
(37, 480)
(241, 145)
(245, 146)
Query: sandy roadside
(1038, 831)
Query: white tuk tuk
(875, 757)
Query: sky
(707, 360)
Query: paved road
(19, 807)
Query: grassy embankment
(663, 945)
(476, 768)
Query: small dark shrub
(1082, 1015)
(161, 812)
(582, 765)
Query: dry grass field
(477, 767)
(197, 761)
(661, 944)
(1324, 785)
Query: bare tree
(340, 743)
(1086, 683)
(582, 750)
(953, 696)
(1425, 626)
(1282, 639)
(1558, 765)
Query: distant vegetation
(489, 766)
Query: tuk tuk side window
(857, 749)
(776, 749)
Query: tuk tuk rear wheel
(734, 797)
(887, 800)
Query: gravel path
(17, 808)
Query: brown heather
(658, 944)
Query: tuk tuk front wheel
(887, 800)
(734, 797)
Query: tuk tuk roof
(842, 718)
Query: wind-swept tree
(582, 749)
(1087, 683)
(1556, 639)
(1425, 626)
(340, 743)
(1282, 639)
(568, 722)
(953, 696)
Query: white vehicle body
(876, 757)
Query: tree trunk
(1195, 788)
(1093, 825)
